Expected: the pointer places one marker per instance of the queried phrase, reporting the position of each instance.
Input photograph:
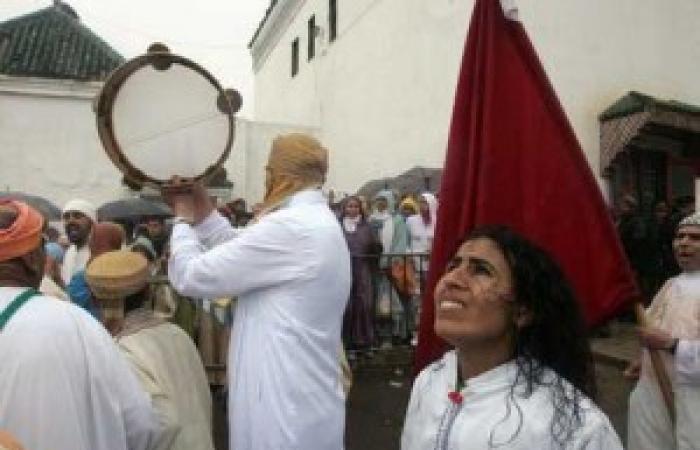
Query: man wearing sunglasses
(78, 219)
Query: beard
(76, 235)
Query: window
(332, 20)
(4, 43)
(311, 50)
(295, 56)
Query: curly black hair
(555, 339)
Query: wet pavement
(377, 402)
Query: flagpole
(659, 369)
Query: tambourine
(161, 115)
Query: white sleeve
(143, 430)
(413, 426)
(603, 438)
(688, 361)
(598, 433)
(163, 405)
(267, 254)
(214, 230)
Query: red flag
(513, 159)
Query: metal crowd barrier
(398, 284)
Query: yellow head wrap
(296, 162)
(411, 203)
(8, 442)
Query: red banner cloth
(513, 159)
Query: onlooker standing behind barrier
(391, 231)
(358, 322)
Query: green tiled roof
(52, 43)
(635, 102)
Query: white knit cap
(82, 206)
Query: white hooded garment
(291, 274)
(420, 234)
(63, 383)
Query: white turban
(82, 206)
(693, 219)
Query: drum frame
(105, 126)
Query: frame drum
(161, 115)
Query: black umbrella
(45, 207)
(413, 181)
(133, 208)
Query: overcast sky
(214, 33)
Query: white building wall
(50, 147)
(381, 95)
(49, 142)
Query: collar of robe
(137, 320)
(496, 379)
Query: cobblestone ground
(378, 399)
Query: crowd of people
(390, 245)
(647, 239)
(95, 357)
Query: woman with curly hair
(521, 374)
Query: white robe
(74, 261)
(688, 361)
(420, 234)
(676, 310)
(64, 384)
(170, 370)
(49, 288)
(433, 421)
(291, 274)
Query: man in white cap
(78, 219)
(161, 355)
(674, 330)
(291, 273)
(63, 383)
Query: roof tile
(52, 43)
